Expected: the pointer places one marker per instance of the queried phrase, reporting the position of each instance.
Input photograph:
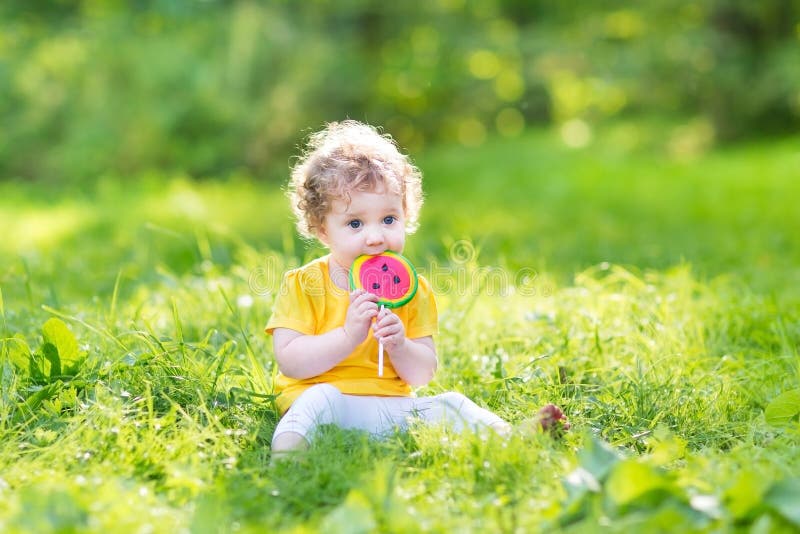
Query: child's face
(371, 223)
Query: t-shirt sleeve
(423, 319)
(293, 307)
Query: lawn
(655, 298)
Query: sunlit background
(214, 88)
(555, 136)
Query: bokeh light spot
(503, 32)
(624, 24)
(451, 5)
(483, 64)
(692, 139)
(509, 86)
(471, 132)
(510, 122)
(576, 133)
(425, 41)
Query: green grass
(655, 300)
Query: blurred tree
(755, 79)
(211, 88)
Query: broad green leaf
(39, 368)
(669, 517)
(49, 391)
(665, 447)
(50, 352)
(61, 337)
(352, 517)
(783, 408)
(18, 352)
(598, 458)
(784, 498)
(745, 493)
(631, 479)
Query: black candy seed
(385, 268)
(376, 286)
(396, 279)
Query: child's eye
(389, 220)
(354, 224)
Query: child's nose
(374, 237)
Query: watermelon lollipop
(390, 276)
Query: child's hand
(389, 330)
(363, 307)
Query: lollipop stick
(380, 354)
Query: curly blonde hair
(350, 156)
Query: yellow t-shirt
(310, 303)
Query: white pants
(323, 404)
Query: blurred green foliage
(216, 88)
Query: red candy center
(385, 277)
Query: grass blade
(112, 314)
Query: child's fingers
(386, 330)
(389, 327)
(364, 316)
(367, 312)
(365, 305)
(386, 312)
(387, 316)
(390, 341)
(359, 295)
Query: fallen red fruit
(553, 419)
